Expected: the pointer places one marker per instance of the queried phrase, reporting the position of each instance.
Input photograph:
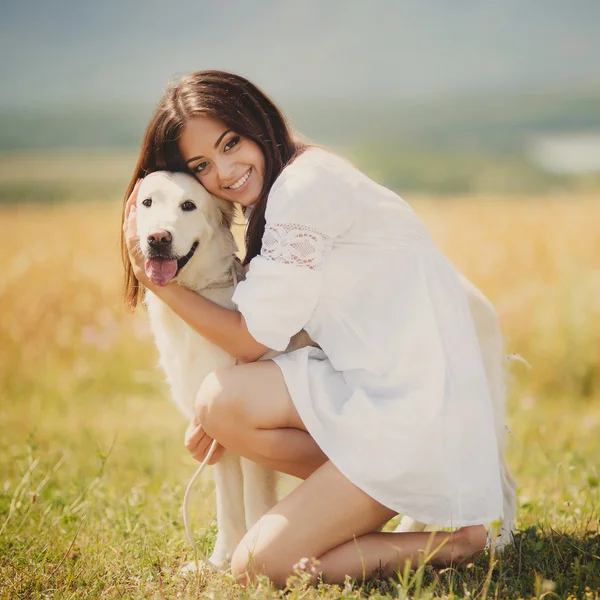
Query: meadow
(92, 463)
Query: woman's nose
(226, 171)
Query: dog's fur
(246, 490)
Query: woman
(393, 415)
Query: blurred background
(485, 116)
(469, 98)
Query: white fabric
(294, 244)
(397, 398)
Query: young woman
(393, 415)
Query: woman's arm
(221, 326)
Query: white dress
(397, 399)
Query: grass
(92, 463)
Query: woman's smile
(241, 182)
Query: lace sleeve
(293, 244)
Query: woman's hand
(136, 258)
(198, 443)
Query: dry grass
(92, 463)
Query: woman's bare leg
(386, 553)
(248, 410)
(328, 517)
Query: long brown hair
(243, 108)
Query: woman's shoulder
(316, 183)
(317, 163)
(316, 172)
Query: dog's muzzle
(161, 266)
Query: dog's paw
(220, 560)
(193, 567)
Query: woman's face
(227, 164)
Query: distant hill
(483, 121)
(479, 143)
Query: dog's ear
(225, 212)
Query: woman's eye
(200, 167)
(188, 205)
(147, 202)
(234, 141)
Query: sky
(114, 52)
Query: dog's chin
(161, 270)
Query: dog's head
(175, 216)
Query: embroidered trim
(293, 244)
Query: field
(92, 463)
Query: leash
(198, 556)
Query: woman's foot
(468, 542)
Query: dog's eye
(147, 202)
(188, 205)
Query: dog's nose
(159, 239)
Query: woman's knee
(218, 400)
(247, 564)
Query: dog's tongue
(161, 270)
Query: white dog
(185, 236)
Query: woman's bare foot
(468, 542)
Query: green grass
(92, 463)
(93, 478)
